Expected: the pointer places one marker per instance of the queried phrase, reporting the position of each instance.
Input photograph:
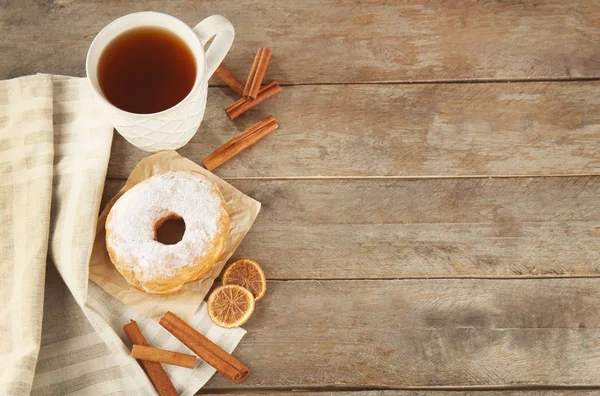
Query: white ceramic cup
(172, 128)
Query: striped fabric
(65, 337)
(26, 155)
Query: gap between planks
(299, 389)
(447, 82)
(406, 178)
(415, 278)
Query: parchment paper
(242, 212)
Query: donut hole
(169, 230)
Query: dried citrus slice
(230, 306)
(247, 273)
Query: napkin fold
(59, 332)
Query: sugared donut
(131, 225)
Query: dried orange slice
(230, 306)
(247, 273)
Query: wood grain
(400, 130)
(335, 42)
(423, 333)
(332, 229)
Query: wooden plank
(400, 130)
(332, 229)
(336, 42)
(451, 333)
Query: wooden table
(431, 201)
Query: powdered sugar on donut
(188, 195)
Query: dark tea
(146, 70)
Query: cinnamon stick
(225, 75)
(257, 73)
(240, 142)
(240, 106)
(155, 371)
(208, 351)
(163, 356)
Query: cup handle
(219, 26)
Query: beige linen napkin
(26, 153)
(54, 150)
